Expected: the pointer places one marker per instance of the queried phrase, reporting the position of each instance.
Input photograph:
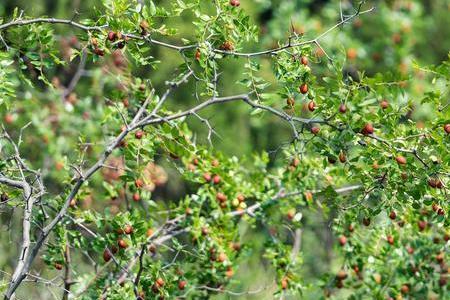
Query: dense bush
(248, 149)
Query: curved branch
(281, 195)
(149, 39)
(217, 100)
(28, 257)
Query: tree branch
(149, 39)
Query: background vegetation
(387, 236)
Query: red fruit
(356, 269)
(112, 36)
(396, 38)
(215, 163)
(229, 272)
(352, 53)
(207, 177)
(368, 129)
(384, 104)
(447, 128)
(351, 228)
(290, 102)
(73, 41)
(315, 130)
(401, 160)
(422, 225)
(94, 42)
(410, 250)
(311, 106)
(377, 57)
(4, 197)
(432, 182)
(141, 296)
(216, 179)
(122, 243)
(342, 108)
(366, 221)
(435, 183)
(440, 257)
(304, 60)
(341, 275)
(107, 255)
(295, 162)
(73, 203)
(155, 289)
(144, 27)
(139, 134)
(139, 183)
(291, 214)
(182, 284)
(390, 239)
(58, 266)
(392, 215)
(404, 289)
(222, 257)
(179, 272)
(120, 45)
(441, 212)
(197, 55)
(240, 198)
(149, 232)
(205, 230)
(375, 165)
(235, 3)
(136, 197)
(446, 237)
(442, 280)
(284, 283)
(342, 157)
(221, 197)
(159, 282)
(9, 118)
(342, 240)
(152, 248)
(236, 246)
(123, 143)
(227, 46)
(99, 52)
(128, 229)
(303, 88)
(435, 207)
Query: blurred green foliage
(384, 50)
